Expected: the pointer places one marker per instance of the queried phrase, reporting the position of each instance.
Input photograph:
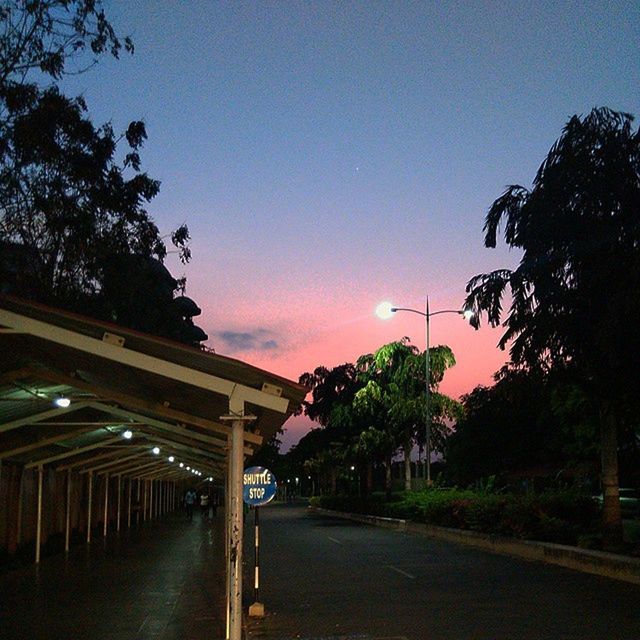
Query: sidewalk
(163, 581)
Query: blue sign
(259, 486)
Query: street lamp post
(385, 310)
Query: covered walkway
(102, 430)
(164, 581)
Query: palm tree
(574, 294)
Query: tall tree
(45, 36)
(74, 230)
(508, 428)
(393, 398)
(572, 295)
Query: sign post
(259, 487)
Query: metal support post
(130, 483)
(39, 516)
(238, 422)
(90, 506)
(119, 503)
(144, 499)
(256, 610)
(105, 514)
(67, 523)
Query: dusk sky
(327, 156)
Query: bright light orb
(62, 402)
(181, 465)
(171, 458)
(384, 310)
(156, 450)
(128, 434)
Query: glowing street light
(384, 311)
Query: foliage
(512, 429)
(74, 230)
(369, 410)
(43, 35)
(559, 516)
(579, 231)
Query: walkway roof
(169, 395)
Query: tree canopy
(74, 228)
(371, 410)
(572, 295)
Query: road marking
(334, 540)
(404, 573)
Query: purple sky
(330, 155)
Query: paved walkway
(163, 581)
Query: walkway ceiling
(168, 395)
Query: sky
(327, 156)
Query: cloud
(256, 340)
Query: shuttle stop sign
(259, 486)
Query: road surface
(329, 578)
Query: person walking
(204, 505)
(189, 502)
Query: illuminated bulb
(188, 468)
(181, 465)
(156, 450)
(171, 458)
(384, 310)
(128, 434)
(62, 402)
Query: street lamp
(385, 310)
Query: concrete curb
(609, 565)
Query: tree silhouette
(573, 303)
(74, 229)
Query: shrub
(558, 516)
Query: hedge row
(560, 516)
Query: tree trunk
(387, 476)
(611, 516)
(407, 462)
(369, 478)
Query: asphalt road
(328, 578)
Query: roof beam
(117, 461)
(128, 469)
(72, 452)
(109, 454)
(51, 413)
(158, 366)
(142, 405)
(45, 442)
(16, 374)
(160, 424)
